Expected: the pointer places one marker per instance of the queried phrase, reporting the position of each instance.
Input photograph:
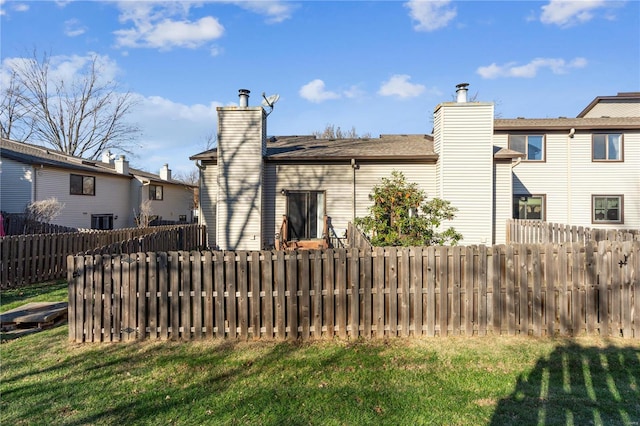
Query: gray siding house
(97, 194)
(581, 171)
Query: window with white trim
(606, 208)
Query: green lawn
(45, 380)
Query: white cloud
(171, 131)
(511, 69)
(69, 68)
(74, 28)
(15, 7)
(566, 13)
(431, 15)
(166, 25)
(167, 33)
(315, 91)
(399, 85)
(275, 11)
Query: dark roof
(621, 96)
(396, 147)
(310, 148)
(38, 155)
(621, 123)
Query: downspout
(354, 166)
(570, 136)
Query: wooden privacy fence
(539, 232)
(27, 259)
(543, 290)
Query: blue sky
(378, 66)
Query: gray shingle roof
(398, 147)
(38, 155)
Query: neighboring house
(97, 194)
(581, 171)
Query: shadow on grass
(577, 385)
(178, 383)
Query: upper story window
(606, 208)
(530, 207)
(155, 192)
(607, 147)
(82, 185)
(532, 146)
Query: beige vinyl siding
(176, 201)
(437, 148)
(240, 148)
(549, 178)
(619, 108)
(17, 181)
(209, 200)
(568, 178)
(111, 197)
(337, 180)
(605, 178)
(502, 209)
(464, 136)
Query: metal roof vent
(244, 97)
(461, 91)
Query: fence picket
(317, 310)
(207, 288)
(404, 275)
(196, 279)
(341, 293)
(268, 289)
(292, 290)
(305, 298)
(254, 285)
(219, 284)
(230, 285)
(416, 285)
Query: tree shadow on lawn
(191, 383)
(577, 385)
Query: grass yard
(45, 380)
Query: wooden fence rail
(539, 232)
(542, 290)
(28, 259)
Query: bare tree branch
(84, 116)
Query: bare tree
(333, 132)
(44, 210)
(191, 178)
(15, 120)
(146, 214)
(83, 116)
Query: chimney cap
(244, 97)
(462, 85)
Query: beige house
(97, 194)
(579, 171)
